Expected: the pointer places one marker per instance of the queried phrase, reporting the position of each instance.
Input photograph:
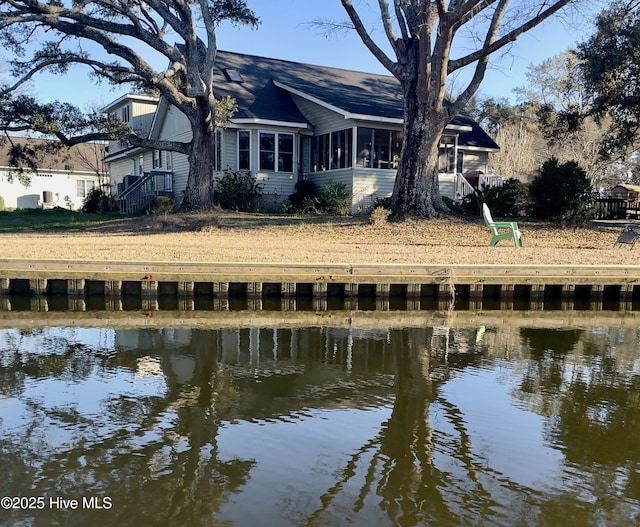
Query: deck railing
(617, 209)
(143, 192)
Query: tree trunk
(198, 194)
(416, 191)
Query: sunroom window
(332, 151)
(378, 148)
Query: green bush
(304, 189)
(453, 205)
(2, 207)
(333, 199)
(510, 200)
(98, 200)
(562, 193)
(237, 190)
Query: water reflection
(480, 423)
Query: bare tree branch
(366, 38)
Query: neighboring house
(295, 121)
(627, 192)
(63, 179)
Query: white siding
(176, 128)
(474, 161)
(118, 170)
(62, 185)
(323, 119)
(370, 185)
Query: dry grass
(227, 237)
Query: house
(294, 121)
(628, 192)
(63, 177)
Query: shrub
(2, 207)
(379, 216)
(334, 199)
(453, 205)
(509, 200)
(562, 192)
(98, 200)
(304, 189)
(237, 190)
(471, 203)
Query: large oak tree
(421, 35)
(128, 35)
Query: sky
(286, 32)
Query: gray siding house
(297, 121)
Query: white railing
(463, 187)
(490, 181)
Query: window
(341, 148)
(83, 187)
(267, 151)
(379, 148)
(244, 150)
(233, 75)
(331, 151)
(320, 151)
(285, 153)
(276, 146)
(125, 114)
(446, 156)
(157, 159)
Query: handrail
(144, 191)
(463, 187)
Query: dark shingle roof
(351, 92)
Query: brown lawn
(227, 237)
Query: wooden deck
(41, 278)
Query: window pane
(337, 146)
(268, 142)
(285, 162)
(382, 148)
(341, 148)
(285, 143)
(396, 147)
(285, 152)
(324, 152)
(267, 151)
(244, 157)
(365, 136)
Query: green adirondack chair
(509, 228)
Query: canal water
(293, 419)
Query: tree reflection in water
(140, 416)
